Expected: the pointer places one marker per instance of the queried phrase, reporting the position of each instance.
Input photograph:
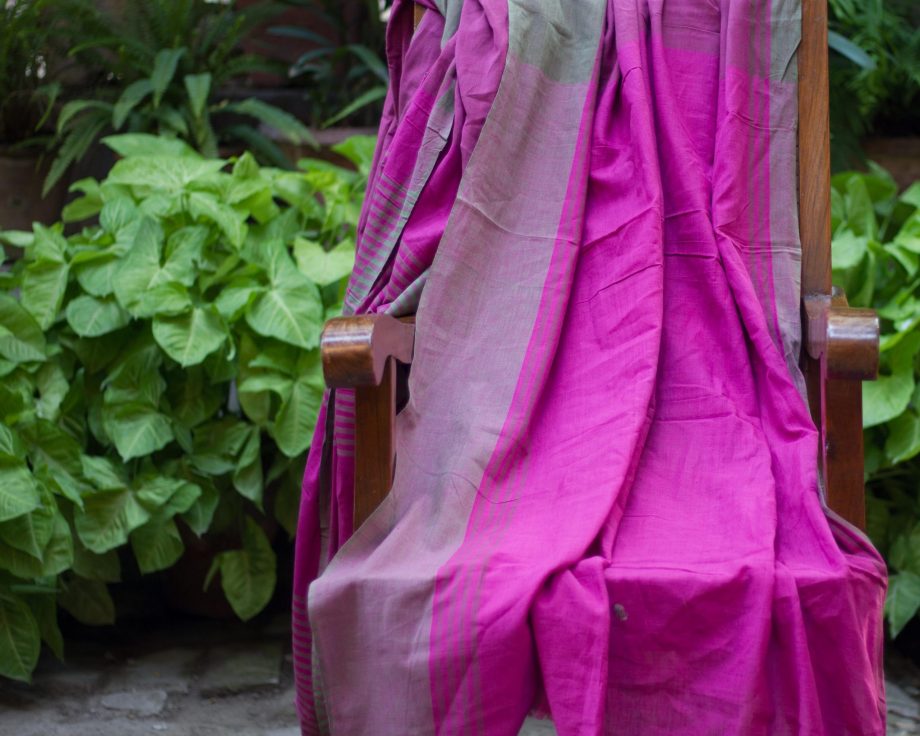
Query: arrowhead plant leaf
(157, 545)
(91, 316)
(19, 493)
(107, 518)
(88, 601)
(191, 337)
(20, 640)
(159, 362)
(247, 575)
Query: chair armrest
(848, 338)
(842, 350)
(355, 350)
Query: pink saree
(606, 506)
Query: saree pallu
(606, 505)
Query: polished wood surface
(843, 351)
(852, 356)
(814, 179)
(375, 413)
(814, 150)
(847, 338)
(355, 349)
(842, 458)
(360, 352)
(841, 344)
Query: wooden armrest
(359, 352)
(847, 337)
(355, 350)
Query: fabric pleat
(606, 506)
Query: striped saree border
(392, 201)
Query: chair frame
(841, 344)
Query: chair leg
(841, 351)
(843, 450)
(375, 450)
(836, 407)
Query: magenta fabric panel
(606, 504)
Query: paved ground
(201, 679)
(211, 679)
(902, 690)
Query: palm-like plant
(344, 72)
(161, 65)
(28, 36)
(884, 83)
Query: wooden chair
(841, 344)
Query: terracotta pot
(21, 202)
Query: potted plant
(333, 75)
(160, 67)
(344, 75)
(875, 85)
(29, 39)
(161, 380)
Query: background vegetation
(161, 66)
(876, 259)
(344, 73)
(159, 377)
(875, 73)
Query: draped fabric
(606, 506)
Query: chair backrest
(814, 150)
(840, 344)
(836, 404)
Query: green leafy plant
(876, 259)
(21, 37)
(875, 74)
(344, 75)
(30, 51)
(161, 66)
(161, 376)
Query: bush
(344, 72)
(159, 67)
(880, 91)
(876, 259)
(161, 376)
(30, 51)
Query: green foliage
(161, 376)
(162, 65)
(30, 53)
(344, 74)
(875, 72)
(21, 35)
(876, 259)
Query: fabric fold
(606, 503)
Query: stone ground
(213, 678)
(902, 691)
